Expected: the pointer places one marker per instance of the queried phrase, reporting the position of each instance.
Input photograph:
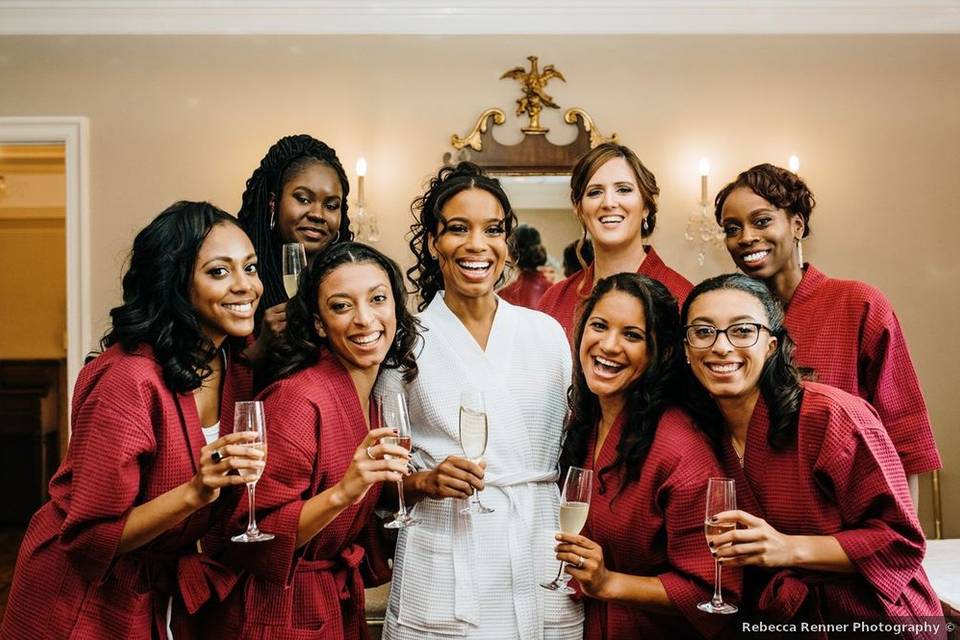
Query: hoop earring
(336, 237)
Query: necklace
(737, 449)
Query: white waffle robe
(479, 576)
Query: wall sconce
(702, 229)
(366, 229)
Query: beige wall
(875, 121)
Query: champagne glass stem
(717, 593)
(560, 573)
(403, 507)
(251, 512)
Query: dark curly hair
(526, 249)
(782, 188)
(576, 256)
(156, 307)
(425, 275)
(286, 159)
(646, 397)
(600, 155)
(300, 344)
(779, 379)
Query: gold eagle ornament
(534, 97)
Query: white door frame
(73, 133)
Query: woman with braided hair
(297, 194)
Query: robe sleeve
(287, 481)
(112, 439)
(891, 385)
(881, 534)
(690, 578)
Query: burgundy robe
(562, 300)
(841, 478)
(847, 332)
(133, 439)
(654, 527)
(526, 290)
(314, 425)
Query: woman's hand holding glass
(222, 456)
(584, 561)
(756, 543)
(455, 477)
(371, 465)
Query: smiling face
(761, 239)
(310, 208)
(725, 371)
(613, 349)
(225, 287)
(612, 207)
(357, 314)
(471, 247)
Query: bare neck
(784, 283)
(363, 381)
(622, 260)
(476, 314)
(737, 413)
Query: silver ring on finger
(580, 562)
(216, 456)
(370, 455)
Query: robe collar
(753, 447)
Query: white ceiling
(44, 17)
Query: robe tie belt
(197, 577)
(517, 488)
(789, 594)
(345, 568)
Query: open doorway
(45, 319)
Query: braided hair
(287, 158)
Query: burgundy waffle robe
(314, 425)
(654, 527)
(133, 439)
(847, 332)
(562, 300)
(841, 478)
(526, 290)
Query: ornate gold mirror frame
(535, 154)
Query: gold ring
(580, 562)
(370, 455)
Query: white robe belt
(520, 490)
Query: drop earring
(273, 216)
(800, 253)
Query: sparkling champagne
(290, 284)
(473, 433)
(573, 515)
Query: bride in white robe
(478, 576)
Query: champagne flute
(248, 416)
(394, 414)
(721, 496)
(294, 260)
(473, 439)
(574, 507)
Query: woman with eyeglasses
(846, 332)
(641, 562)
(825, 529)
(614, 198)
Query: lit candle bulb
(704, 172)
(794, 163)
(361, 173)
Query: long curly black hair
(299, 347)
(286, 159)
(779, 379)
(426, 275)
(646, 397)
(156, 307)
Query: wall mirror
(535, 172)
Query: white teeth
(605, 219)
(246, 306)
(753, 257)
(477, 266)
(607, 363)
(373, 337)
(724, 368)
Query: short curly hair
(780, 187)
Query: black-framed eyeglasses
(742, 334)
